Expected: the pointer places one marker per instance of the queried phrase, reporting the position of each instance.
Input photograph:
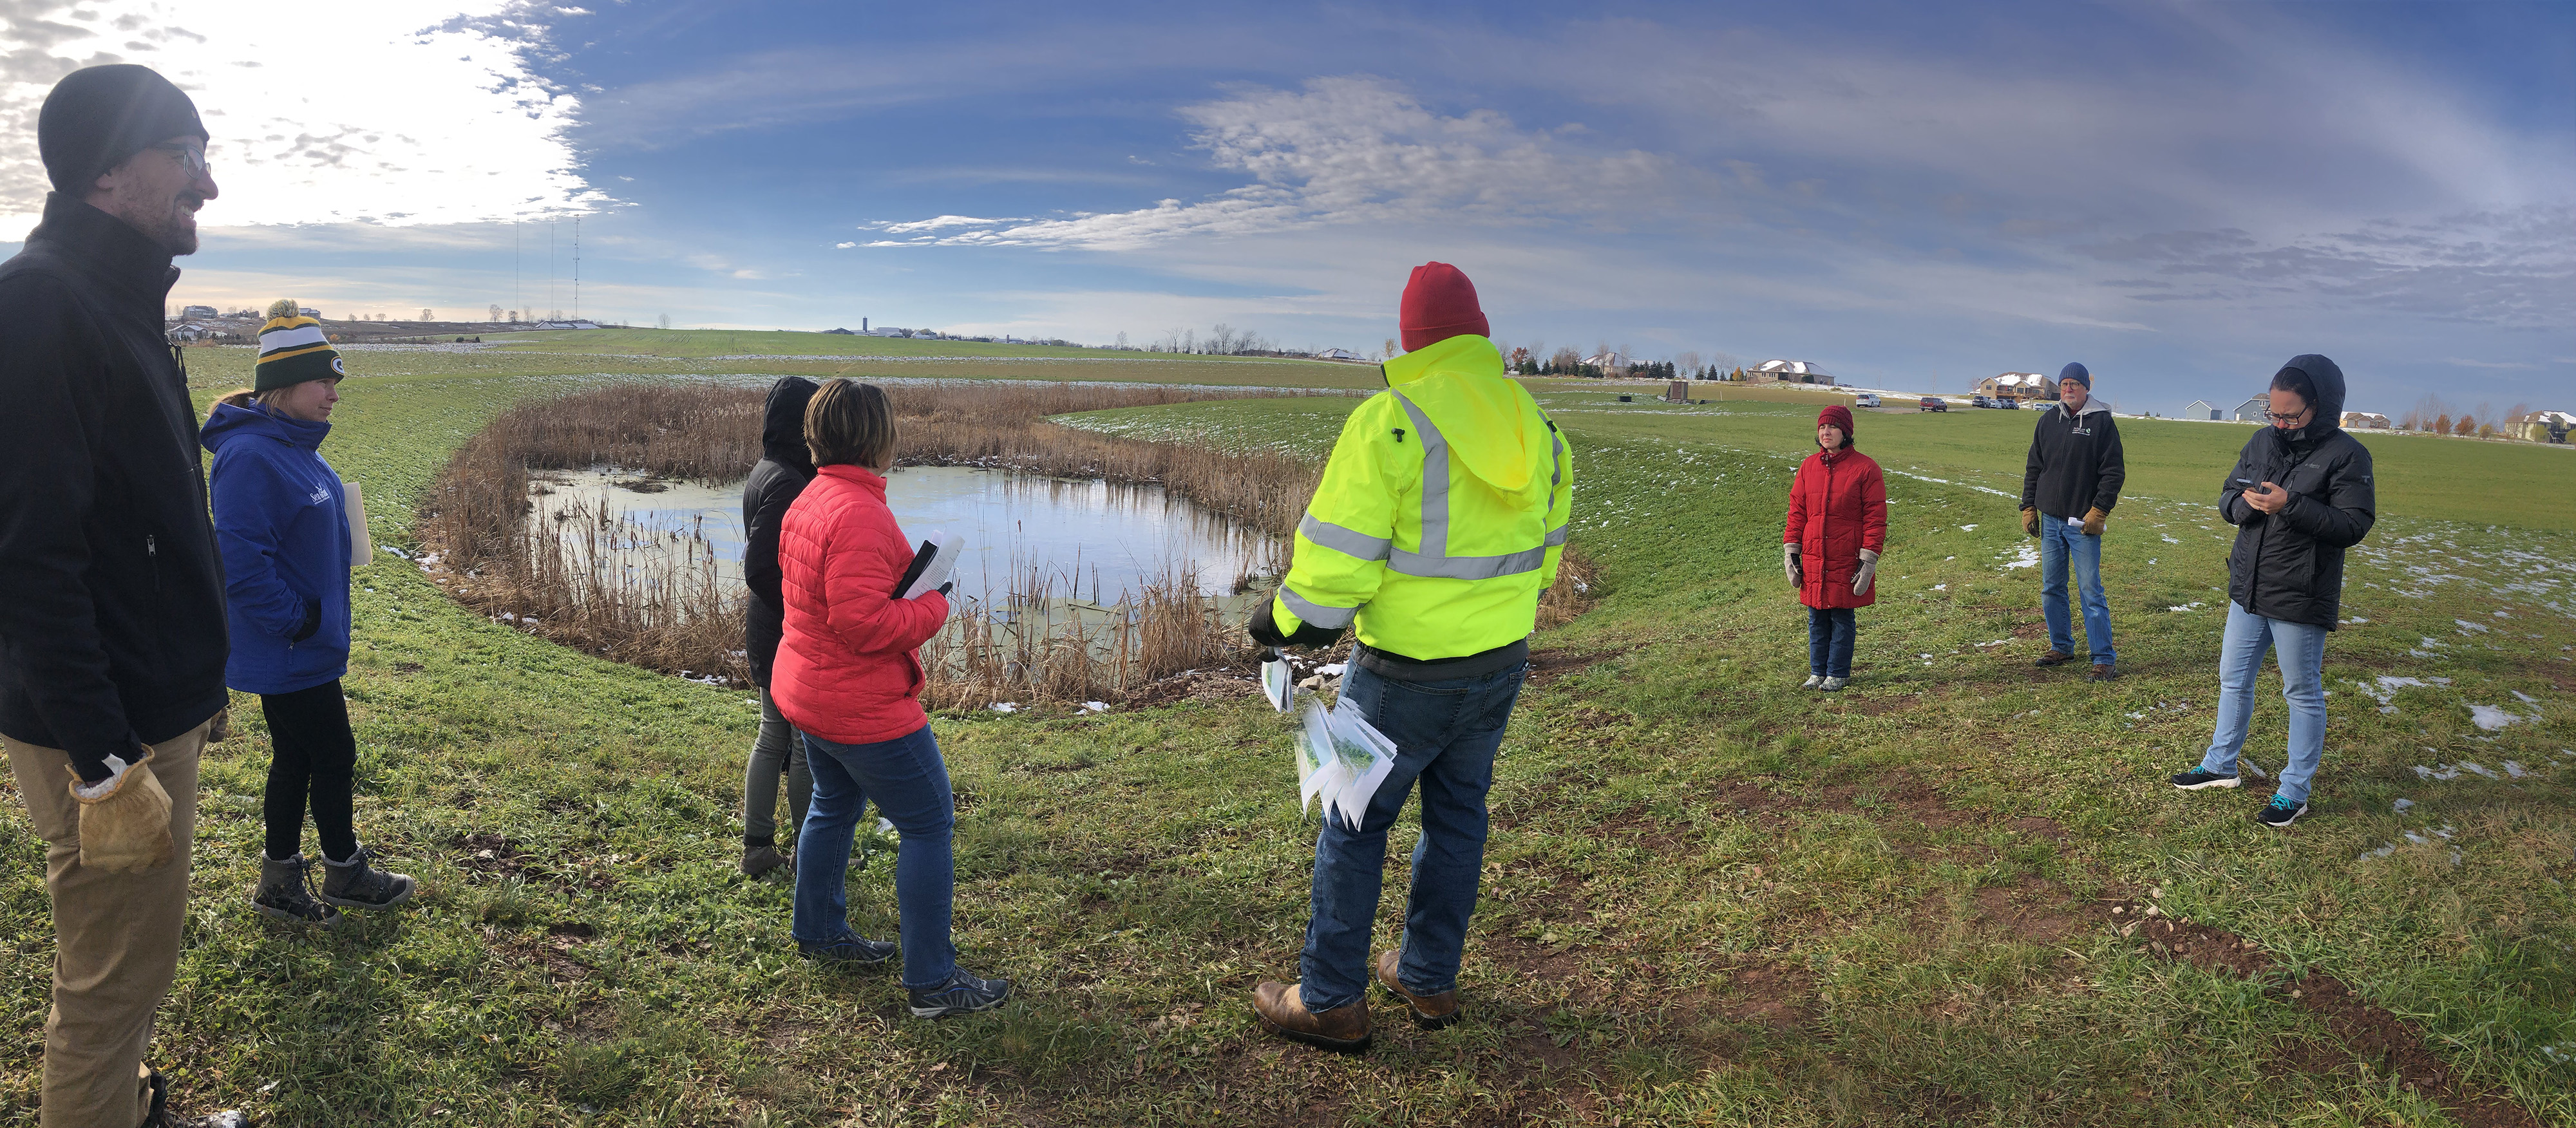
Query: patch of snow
(1967, 528)
(2027, 556)
(1940, 587)
(2518, 695)
(2402, 804)
(1095, 706)
(2490, 718)
(1006, 706)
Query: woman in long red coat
(1837, 527)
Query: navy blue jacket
(284, 533)
(111, 598)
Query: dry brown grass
(676, 615)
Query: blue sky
(2181, 196)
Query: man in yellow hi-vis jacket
(1439, 521)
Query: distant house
(2542, 426)
(195, 313)
(2358, 420)
(2255, 410)
(1608, 361)
(1337, 354)
(1789, 372)
(309, 311)
(2201, 409)
(2018, 385)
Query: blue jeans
(1445, 735)
(909, 782)
(1830, 632)
(2300, 649)
(2060, 543)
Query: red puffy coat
(846, 670)
(1837, 507)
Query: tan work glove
(2093, 519)
(1868, 572)
(2030, 522)
(124, 819)
(1789, 565)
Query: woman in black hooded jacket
(776, 480)
(2300, 494)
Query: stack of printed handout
(1341, 760)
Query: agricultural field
(1958, 893)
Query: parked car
(1935, 403)
(2008, 403)
(1980, 401)
(1866, 399)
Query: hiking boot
(1813, 680)
(962, 994)
(2280, 812)
(2102, 671)
(2197, 778)
(1282, 1012)
(1430, 1012)
(2054, 658)
(850, 951)
(1832, 685)
(355, 884)
(286, 893)
(760, 855)
(162, 1117)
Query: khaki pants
(116, 940)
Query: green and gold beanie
(293, 350)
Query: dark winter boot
(357, 885)
(760, 855)
(286, 893)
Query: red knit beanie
(1838, 415)
(1439, 303)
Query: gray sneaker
(1833, 685)
(1813, 680)
(357, 885)
(286, 893)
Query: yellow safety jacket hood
(1442, 514)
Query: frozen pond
(1083, 540)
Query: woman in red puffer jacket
(847, 677)
(1837, 526)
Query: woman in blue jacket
(283, 528)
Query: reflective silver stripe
(1343, 540)
(1435, 480)
(1329, 618)
(1556, 536)
(1468, 567)
(1555, 470)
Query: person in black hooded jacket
(2299, 496)
(780, 475)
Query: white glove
(1789, 564)
(116, 767)
(1868, 572)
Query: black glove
(312, 621)
(1264, 629)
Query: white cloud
(937, 222)
(390, 112)
(1357, 149)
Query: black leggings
(311, 752)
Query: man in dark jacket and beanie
(784, 468)
(112, 634)
(2300, 494)
(2069, 483)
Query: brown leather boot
(1430, 1012)
(2054, 658)
(1343, 1028)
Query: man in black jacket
(776, 480)
(2069, 483)
(112, 638)
(2300, 494)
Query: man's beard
(177, 231)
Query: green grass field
(1710, 898)
(783, 342)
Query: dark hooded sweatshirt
(2289, 565)
(2075, 462)
(112, 622)
(784, 468)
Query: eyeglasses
(2292, 417)
(193, 158)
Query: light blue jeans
(2059, 544)
(2300, 649)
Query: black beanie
(98, 116)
